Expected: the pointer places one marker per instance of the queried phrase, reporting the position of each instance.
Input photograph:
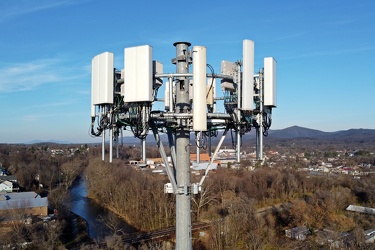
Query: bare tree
(204, 198)
(70, 171)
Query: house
(204, 165)
(370, 235)
(359, 209)
(332, 239)
(6, 186)
(298, 233)
(29, 203)
(11, 178)
(202, 157)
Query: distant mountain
(300, 132)
(48, 141)
(296, 132)
(358, 133)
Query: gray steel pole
(103, 145)
(198, 135)
(110, 144)
(159, 142)
(257, 142)
(110, 140)
(238, 148)
(209, 145)
(143, 150)
(103, 138)
(172, 146)
(239, 92)
(117, 135)
(261, 114)
(183, 206)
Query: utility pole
(261, 96)
(183, 204)
(239, 93)
(259, 129)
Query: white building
(204, 165)
(298, 233)
(28, 202)
(6, 186)
(370, 236)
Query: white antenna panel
(270, 82)
(248, 75)
(166, 95)
(199, 88)
(138, 74)
(228, 68)
(93, 109)
(102, 79)
(157, 68)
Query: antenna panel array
(248, 75)
(102, 79)
(125, 100)
(270, 82)
(199, 89)
(138, 74)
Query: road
(159, 234)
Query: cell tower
(124, 99)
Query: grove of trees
(246, 209)
(36, 169)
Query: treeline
(248, 209)
(136, 195)
(36, 169)
(253, 209)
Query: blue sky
(325, 52)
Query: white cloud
(29, 118)
(86, 92)
(30, 75)
(27, 76)
(55, 104)
(13, 9)
(338, 52)
(42, 115)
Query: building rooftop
(359, 209)
(22, 200)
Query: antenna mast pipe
(261, 108)
(183, 205)
(239, 93)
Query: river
(83, 206)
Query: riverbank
(113, 210)
(101, 220)
(76, 232)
